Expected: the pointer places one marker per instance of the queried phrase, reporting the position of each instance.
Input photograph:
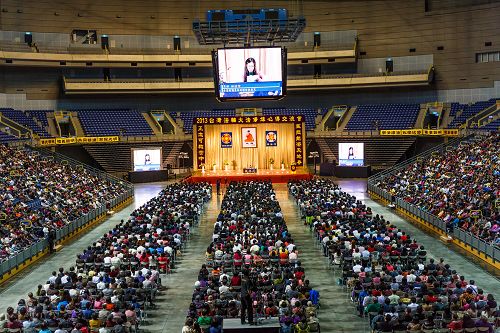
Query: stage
(233, 325)
(276, 176)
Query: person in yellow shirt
(94, 323)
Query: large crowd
(391, 279)
(253, 270)
(461, 186)
(38, 194)
(115, 280)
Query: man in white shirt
(356, 268)
(65, 278)
(410, 278)
(53, 278)
(101, 285)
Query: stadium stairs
(77, 125)
(152, 123)
(345, 119)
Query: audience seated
(117, 277)
(392, 282)
(253, 269)
(38, 194)
(460, 186)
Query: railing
(490, 250)
(17, 259)
(476, 119)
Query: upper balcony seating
(467, 111)
(6, 138)
(102, 122)
(25, 120)
(389, 116)
(40, 115)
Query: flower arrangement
(202, 165)
(226, 162)
(271, 160)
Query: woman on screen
(251, 73)
(350, 156)
(147, 159)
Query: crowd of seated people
(115, 280)
(391, 280)
(461, 187)
(38, 194)
(253, 270)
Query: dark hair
(254, 72)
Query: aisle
(337, 313)
(174, 302)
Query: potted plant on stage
(202, 166)
(234, 164)
(226, 165)
(213, 167)
(282, 165)
(271, 163)
(293, 166)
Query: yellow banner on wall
(79, 139)
(419, 131)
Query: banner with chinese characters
(78, 140)
(226, 139)
(420, 132)
(211, 141)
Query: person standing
(51, 237)
(246, 300)
(218, 186)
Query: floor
(336, 313)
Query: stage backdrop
(248, 141)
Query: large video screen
(250, 73)
(351, 154)
(147, 159)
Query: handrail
(489, 250)
(480, 115)
(15, 125)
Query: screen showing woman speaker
(147, 159)
(351, 154)
(250, 73)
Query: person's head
(250, 66)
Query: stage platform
(233, 325)
(276, 176)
